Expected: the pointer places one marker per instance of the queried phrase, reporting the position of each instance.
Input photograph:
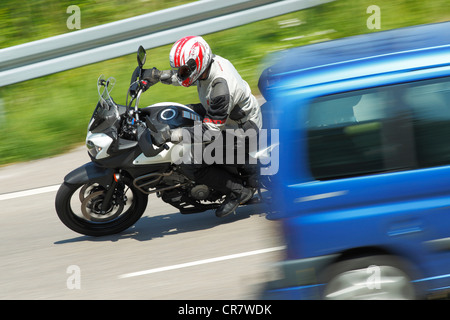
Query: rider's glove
(150, 77)
(176, 135)
(166, 134)
(162, 136)
(167, 76)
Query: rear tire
(79, 211)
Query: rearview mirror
(141, 56)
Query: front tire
(78, 207)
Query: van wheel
(369, 278)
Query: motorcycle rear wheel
(78, 207)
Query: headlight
(98, 144)
(92, 148)
(89, 144)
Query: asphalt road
(166, 255)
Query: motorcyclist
(226, 102)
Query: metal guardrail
(108, 41)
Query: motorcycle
(109, 194)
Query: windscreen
(106, 112)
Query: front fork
(92, 173)
(116, 182)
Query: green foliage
(36, 19)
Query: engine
(200, 192)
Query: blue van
(363, 187)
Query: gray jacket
(226, 98)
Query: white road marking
(199, 262)
(26, 193)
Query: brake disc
(86, 190)
(91, 208)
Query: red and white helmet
(190, 57)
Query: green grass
(47, 116)
(37, 19)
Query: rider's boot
(238, 195)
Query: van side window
(378, 130)
(430, 104)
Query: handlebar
(137, 87)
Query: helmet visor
(186, 70)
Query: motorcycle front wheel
(81, 208)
